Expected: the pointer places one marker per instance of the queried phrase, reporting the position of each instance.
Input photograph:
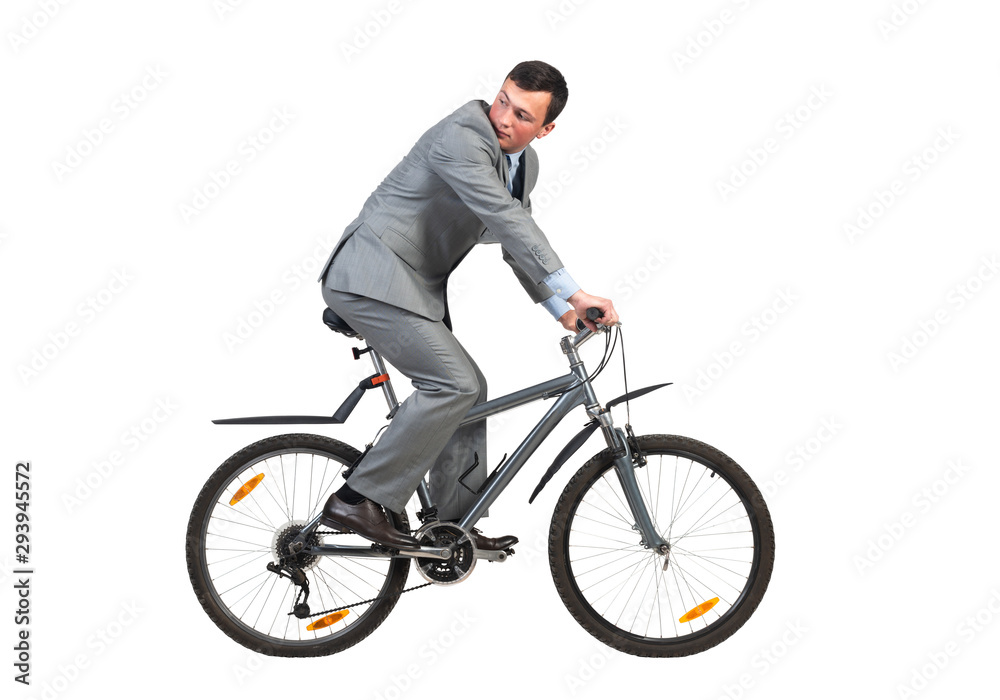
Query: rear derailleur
(299, 578)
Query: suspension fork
(625, 469)
(623, 454)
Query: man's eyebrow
(531, 117)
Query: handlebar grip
(593, 313)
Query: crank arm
(490, 555)
(442, 553)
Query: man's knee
(474, 382)
(469, 387)
(481, 382)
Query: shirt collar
(515, 157)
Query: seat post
(390, 395)
(339, 325)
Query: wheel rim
(237, 543)
(714, 552)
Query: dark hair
(538, 76)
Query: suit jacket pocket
(403, 248)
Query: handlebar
(593, 313)
(584, 334)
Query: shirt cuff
(561, 284)
(555, 306)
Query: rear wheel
(247, 512)
(684, 601)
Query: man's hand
(568, 321)
(581, 301)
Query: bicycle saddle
(336, 323)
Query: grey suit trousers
(424, 434)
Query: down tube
(563, 405)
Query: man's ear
(546, 130)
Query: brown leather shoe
(492, 544)
(367, 519)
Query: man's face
(517, 116)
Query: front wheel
(674, 603)
(244, 518)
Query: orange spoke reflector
(698, 610)
(379, 379)
(328, 620)
(245, 489)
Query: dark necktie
(515, 184)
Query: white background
(873, 579)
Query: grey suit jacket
(446, 195)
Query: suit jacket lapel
(502, 169)
(529, 161)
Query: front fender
(576, 442)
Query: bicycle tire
(712, 544)
(284, 498)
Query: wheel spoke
(681, 509)
(237, 568)
(706, 525)
(616, 527)
(601, 566)
(613, 490)
(617, 591)
(722, 580)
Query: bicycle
(659, 545)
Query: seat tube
(390, 395)
(424, 495)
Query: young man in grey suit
(467, 180)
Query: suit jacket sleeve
(538, 292)
(465, 157)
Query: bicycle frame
(572, 389)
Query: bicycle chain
(362, 602)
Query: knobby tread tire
(597, 626)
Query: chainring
(463, 557)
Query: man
(465, 181)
